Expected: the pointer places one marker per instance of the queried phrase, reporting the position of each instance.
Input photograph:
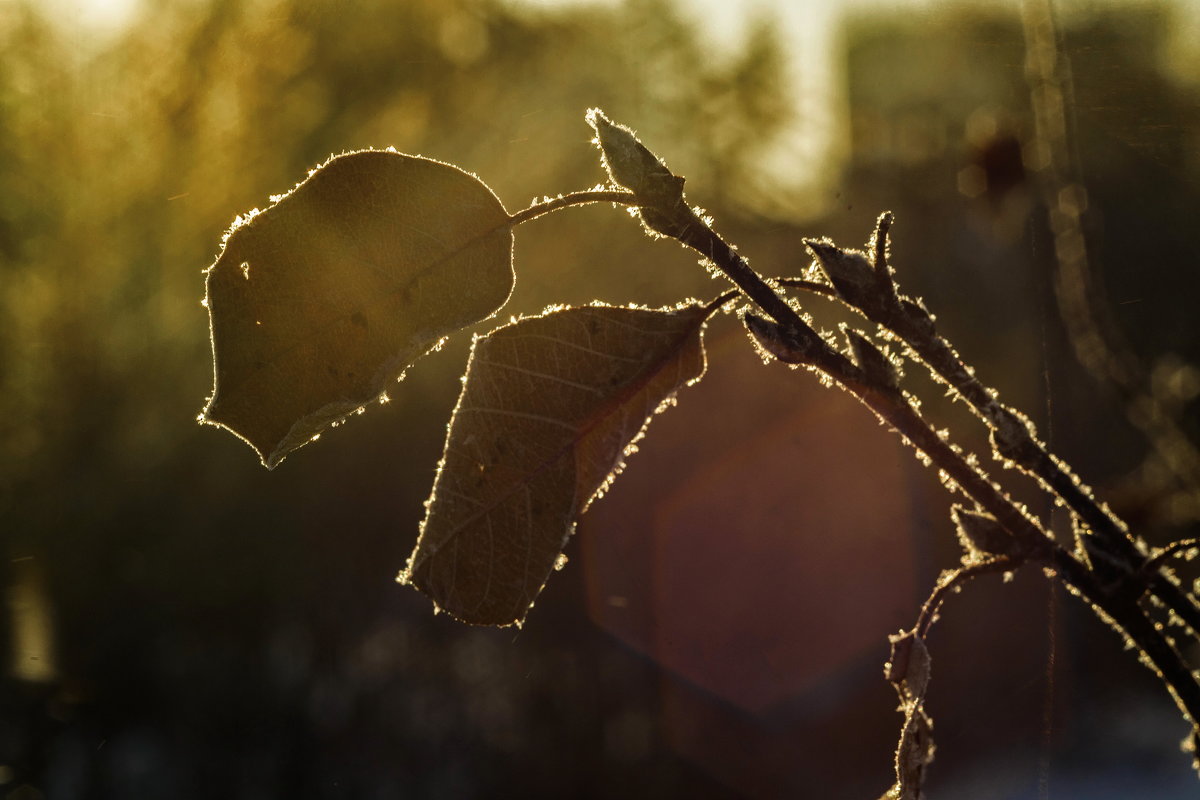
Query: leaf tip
(632, 165)
(596, 117)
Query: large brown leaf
(321, 300)
(550, 409)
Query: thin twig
(696, 234)
(674, 218)
(794, 283)
(1030, 454)
(573, 199)
(815, 287)
(893, 408)
(960, 576)
(1160, 556)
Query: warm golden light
(32, 631)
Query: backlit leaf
(908, 671)
(550, 410)
(317, 303)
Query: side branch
(953, 580)
(1114, 605)
(573, 199)
(874, 380)
(1161, 557)
(790, 335)
(868, 287)
(696, 234)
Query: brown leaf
(908, 671)
(321, 300)
(550, 408)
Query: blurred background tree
(202, 626)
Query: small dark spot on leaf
(358, 319)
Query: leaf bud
(878, 370)
(918, 317)
(1013, 437)
(980, 532)
(848, 270)
(878, 254)
(789, 345)
(632, 165)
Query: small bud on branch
(979, 533)
(878, 369)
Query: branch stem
(1161, 557)
(796, 283)
(1120, 608)
(573, 199)
(958, 577)
(1035, 458)
(696, 234)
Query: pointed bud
(879, 253)
(980, 532)
(632, 165)
(918, 316)
(878, 370)
(848, 270)
(789, 345)
(1013, 437)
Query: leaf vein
(521, 415)
(576, 346)
(536, 374)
